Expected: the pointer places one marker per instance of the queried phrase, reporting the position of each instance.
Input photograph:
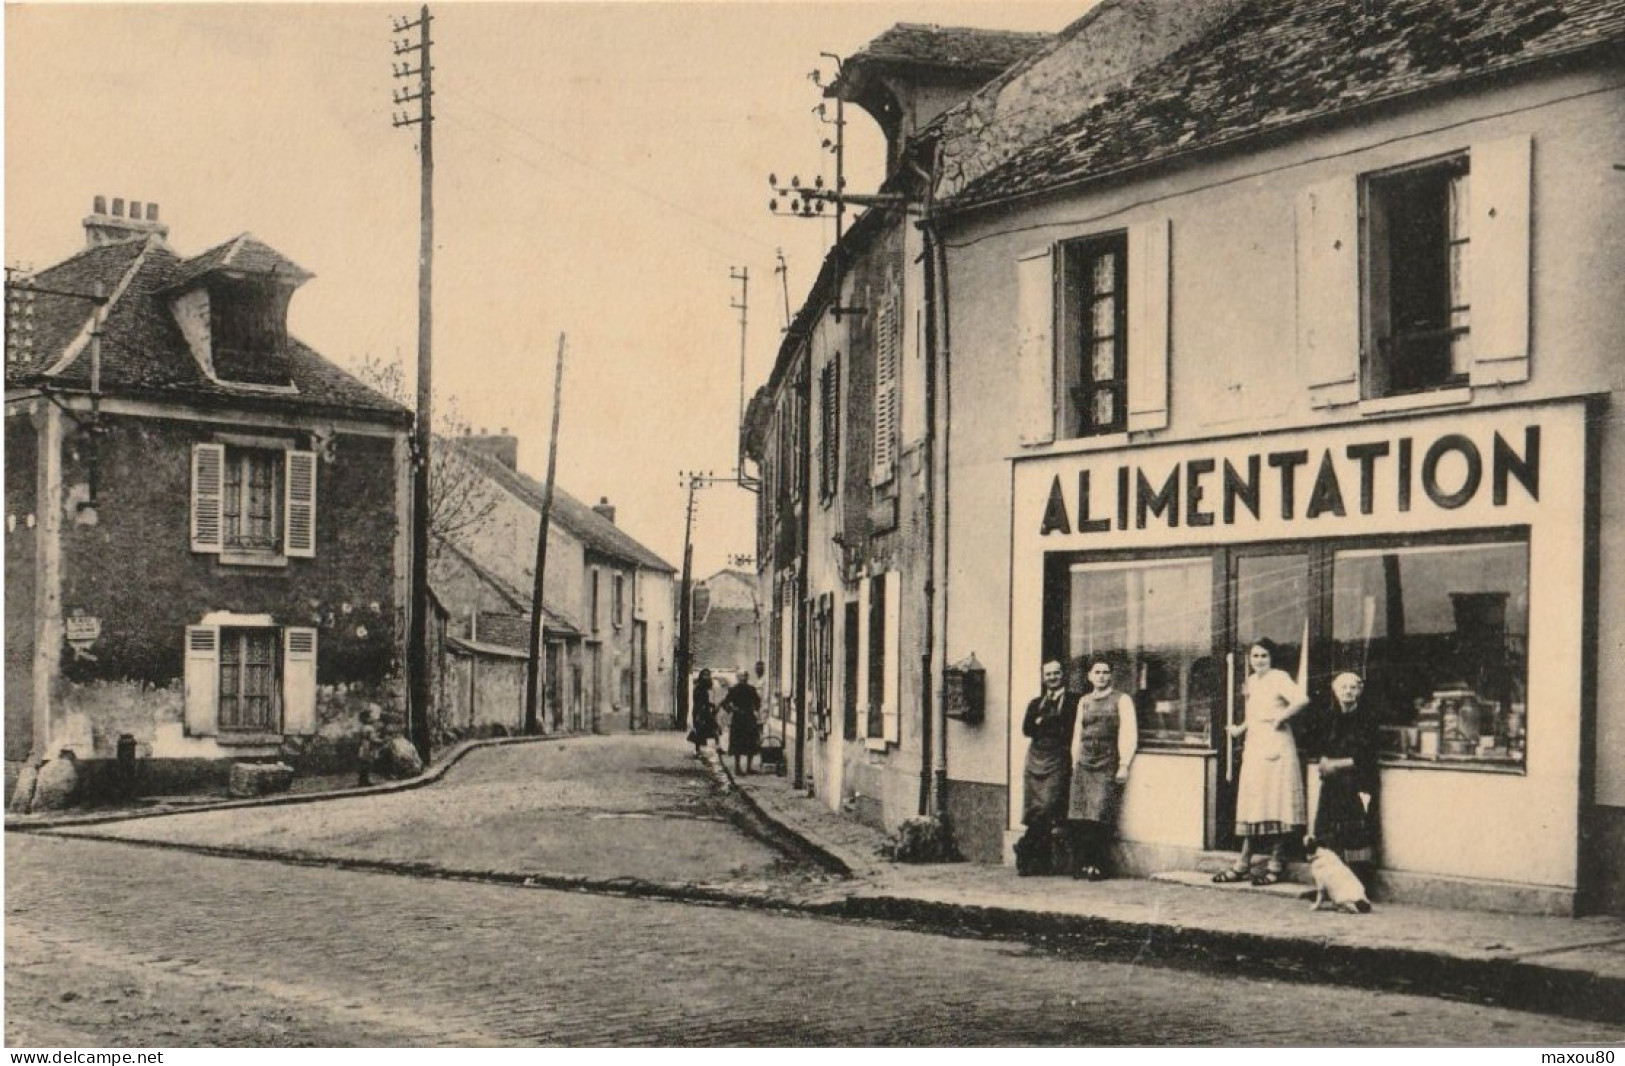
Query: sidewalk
(1573, 967)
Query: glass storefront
(1438, 627)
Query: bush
(920, 839)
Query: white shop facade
(1444, 557)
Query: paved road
(122, 944)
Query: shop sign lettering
(1448, 472)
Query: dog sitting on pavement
(1335, 881)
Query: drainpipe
(803, 583)
(940, 336)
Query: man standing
(744, 727)
(1046, 779)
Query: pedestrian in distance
(743, 705)
(367, 741)
(1269, 798)
(1342, 742)
(1104, 743)
(1047, 774)
(703, 716)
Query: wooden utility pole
(417, 651)
(533, 680)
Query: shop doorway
(1267, 596)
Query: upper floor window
(618, 604)
(1093, 357)
(1416, 310)
(253, 501)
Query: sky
(600, 172)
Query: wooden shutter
(885, 343)
(299, 681)
(1035, 347)
(299, 512)
(208, 497)
(1148, 333)
(202, 681)
(863, 656)
(1498, 261)
(891, 669)
(830, 428)
(1329, 291)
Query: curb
(25, 823)
(778, 832)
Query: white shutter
(202, 678)
(299, 514)
(863, 657)
(1329, 291)
(1498, 261)
(891, 680)
(885, 347)
(208, 492)
(1035, 346)
(1148, 308)
(299, 681)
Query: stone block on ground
(399, 759)
(22, 798)
(57, 784)
(259, 779)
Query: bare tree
(459, 500)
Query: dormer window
(248, 325)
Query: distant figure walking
(743, 704)
(704, 716)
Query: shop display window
(1153, 621)
(1440, 634)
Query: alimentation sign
(1489, 467)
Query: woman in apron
(1107, 736)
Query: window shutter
(1035, 347)
(829, 427)
(1498, 261)
(863, 656)
(1329, 292)
(208, 493)
(1148, 308)
(300, 512)
(885, 391)
(891, 675)
(202, 679)
(299, 681)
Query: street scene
(935, 523)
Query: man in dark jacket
(744, 727)
(1046, 778)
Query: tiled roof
(595, 532)
(552, 623)
(1276, 63)
(960, 47)
(143, 352)
(245, 254)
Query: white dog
(1335, 881)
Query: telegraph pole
(533, 668)
(742, 275)
(417, 651)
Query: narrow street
(112, 943)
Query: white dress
(1270, 797)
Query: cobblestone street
(114, 944)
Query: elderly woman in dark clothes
(1048, 771)
(743, 704)
(703, 729)
(1343, 742)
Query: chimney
(502, 447)
(105, 227)
(604, 510)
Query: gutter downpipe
(803, 579)
(934, 769)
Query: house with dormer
(206, 550)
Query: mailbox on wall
(964, 690)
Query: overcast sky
(599, 169)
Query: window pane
(1103, 364)
(1441, 636)
(1104, 274)
(1104, 411)
(1153, 622)
(1103, 322)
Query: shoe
(1230, 877)
(1093, 873)
(1267, 878)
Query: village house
(609, 602)
(1238, 320)
(205, 551)
(1307, 330)
(727, 625)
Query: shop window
(1440, 634)
(1093, 364)
(1153, 620)
(1416, 309)
(253, 504)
